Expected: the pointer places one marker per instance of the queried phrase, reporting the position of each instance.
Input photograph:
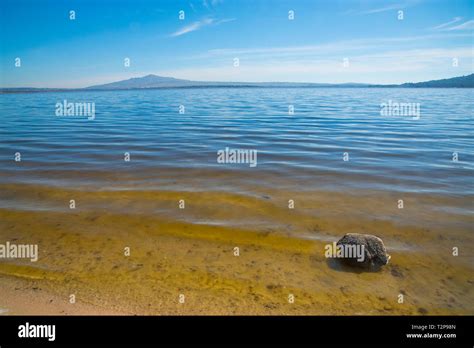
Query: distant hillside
(456, 82)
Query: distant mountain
(154, 81)
(457, 82)
(148, 81)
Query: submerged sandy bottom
(190, 252)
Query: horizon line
(224, 82)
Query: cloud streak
(200, 24)
(386, 8)
(192, 27)
(469, 25)
(449, 26)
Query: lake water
(305, 149)
(183, 213)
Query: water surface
(394, 153)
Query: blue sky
(380, 48)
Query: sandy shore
(23, 297)
(191, 252)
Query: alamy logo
(66, 108)
(37, 331)
(345, 251)
(392, 108)
(19, 251)
(237, 156)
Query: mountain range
(154, 81)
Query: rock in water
(371, 247)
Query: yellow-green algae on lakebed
(183, 251)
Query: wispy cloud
(390, 7)
(193, 27)
(450, 26)
(469, 25)
(384, 9)
(447, 24)
(394, 6)
(225, 20)
(200, 24)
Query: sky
(327, 41)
